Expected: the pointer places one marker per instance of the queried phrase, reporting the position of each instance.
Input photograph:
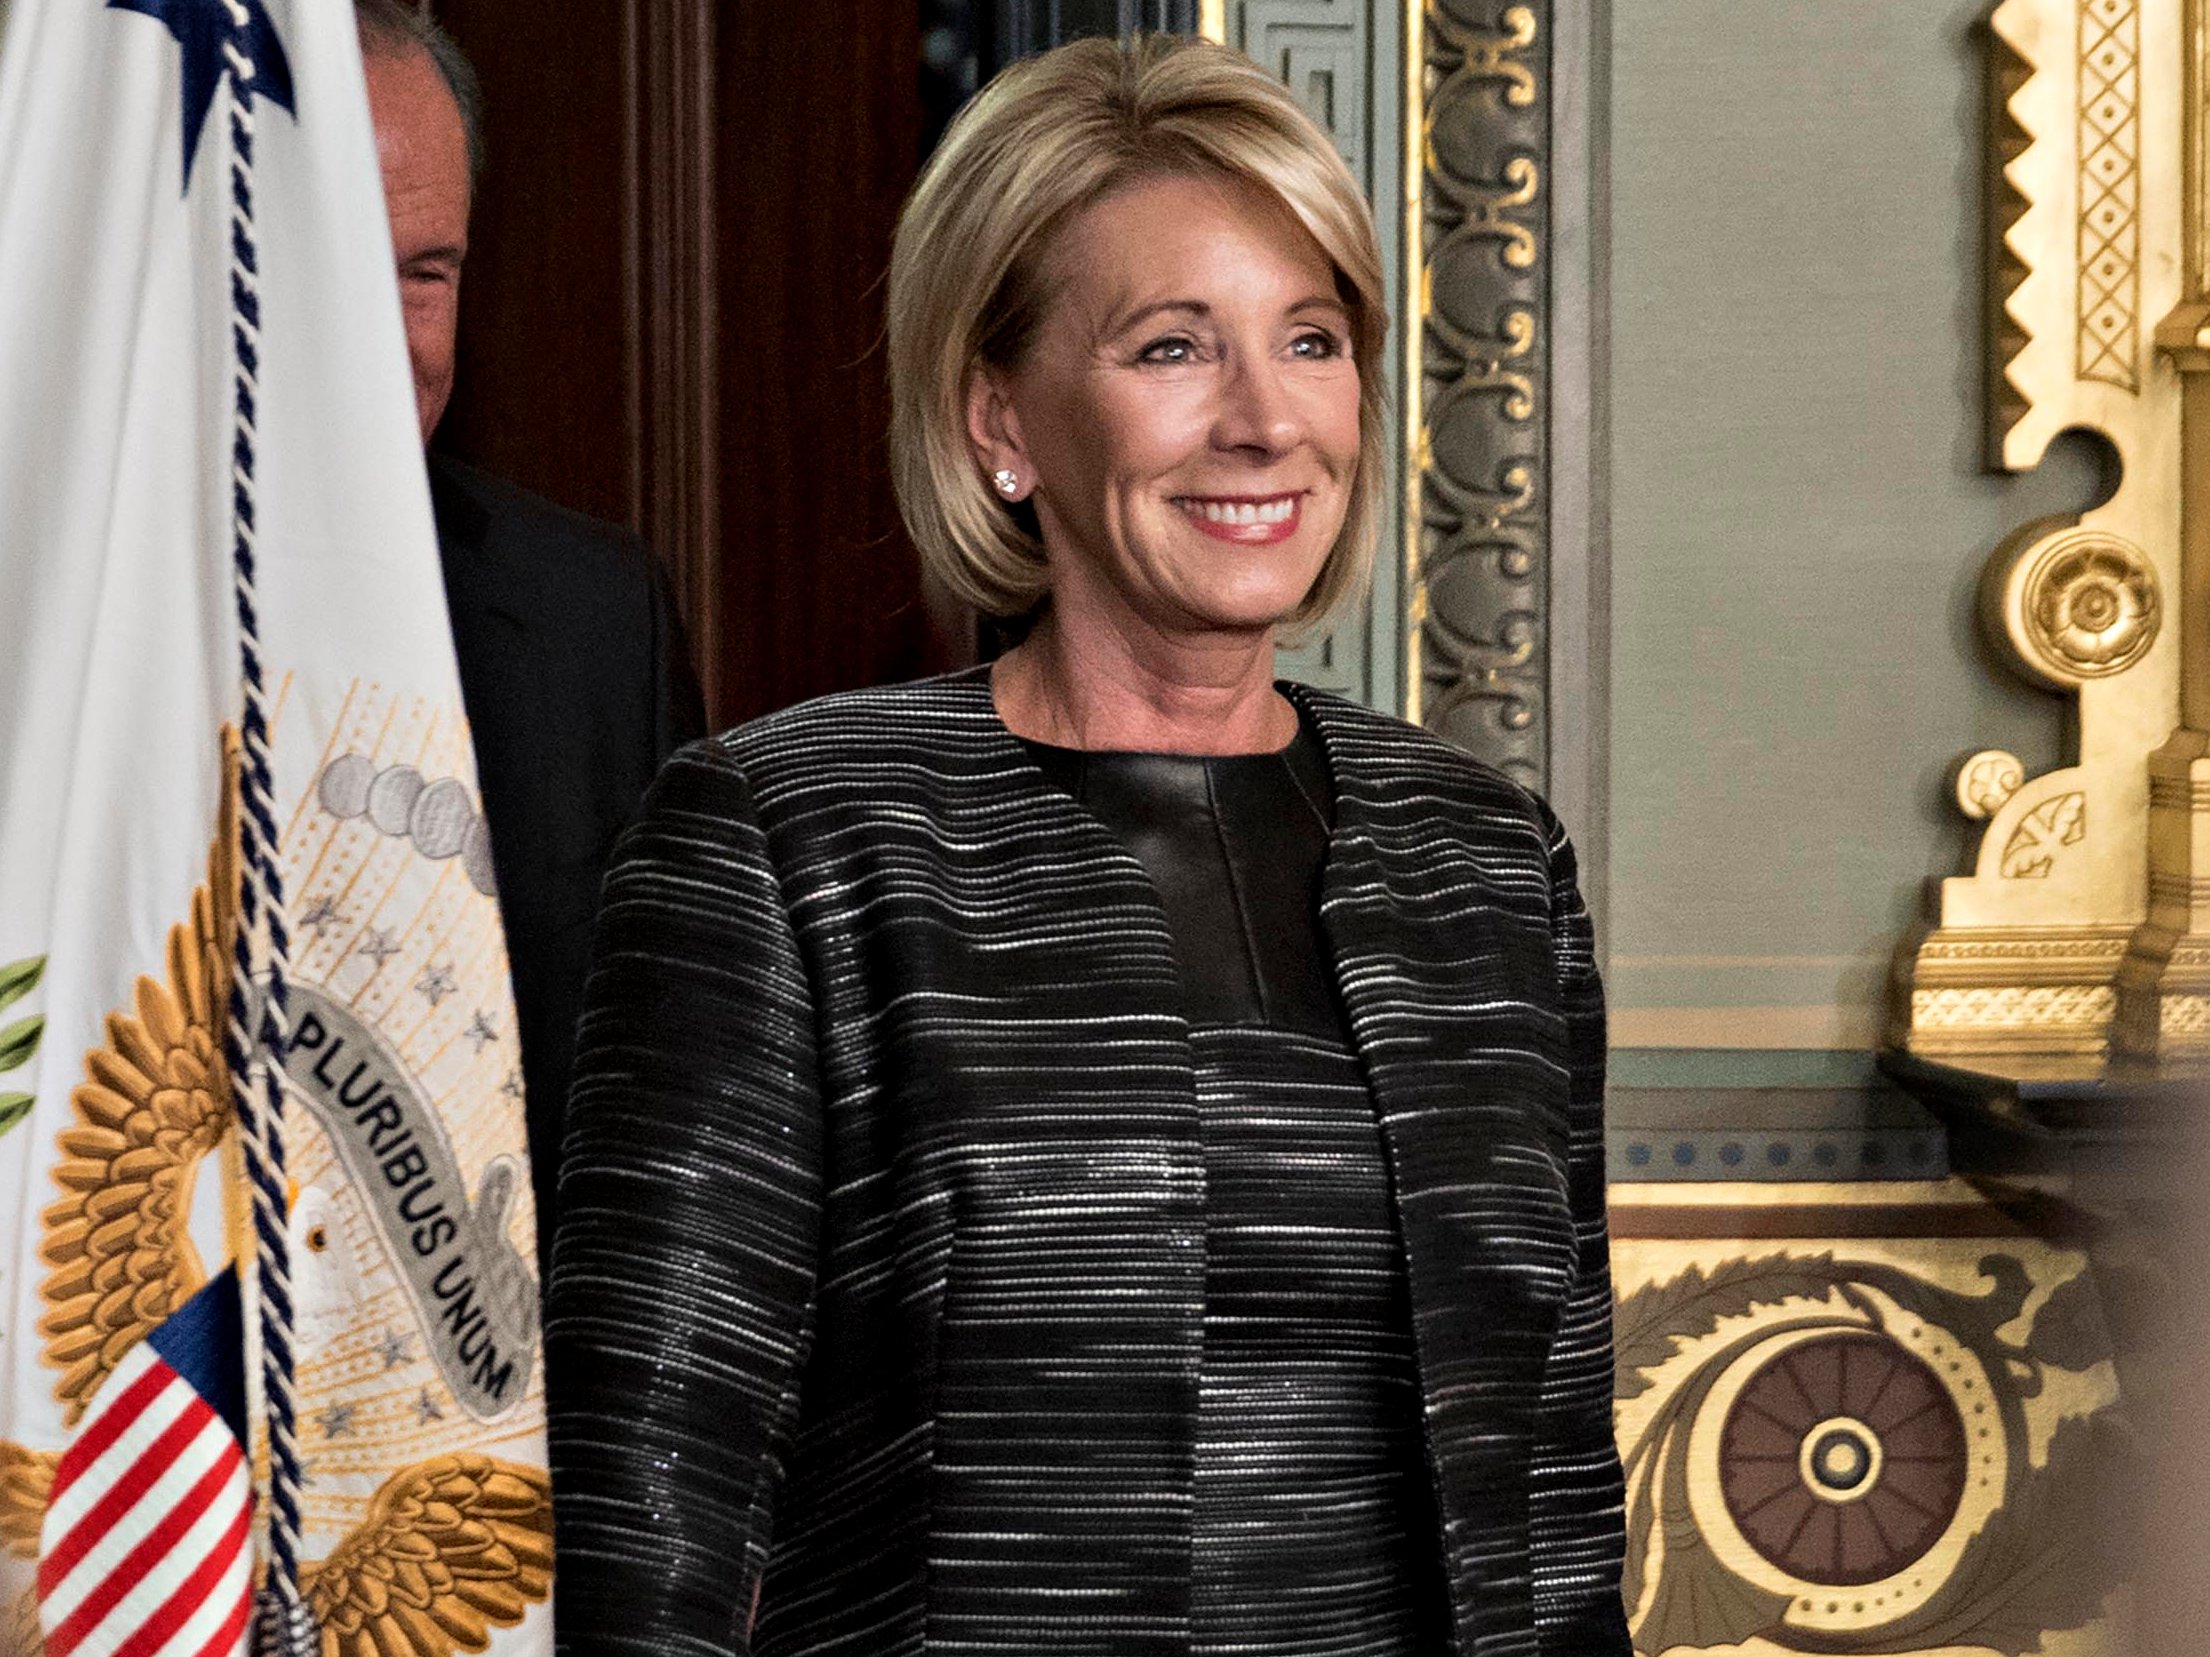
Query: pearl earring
(1007, 480)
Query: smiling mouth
(1245, 519)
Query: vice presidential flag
(240, 833)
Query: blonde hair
(1041, 142)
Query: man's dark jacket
(577, 685)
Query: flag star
(202, 29)
(436, 984)
(512, 1086)
(337, 1420)
(482, 1031)
(319, 914)
(426, 1410)
(379, 945)
(394, 1351)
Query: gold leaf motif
(2045, 830)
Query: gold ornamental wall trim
(2109, 148)
(2091, 184)
(1475, 338)
(1890, 1443)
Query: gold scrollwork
(1485, 211)
(1482, 365)
(1490, 513)
(1985, 780)
(1476, 369)
(1484, 56)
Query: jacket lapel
(1435, 905)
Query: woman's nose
(1257, 415)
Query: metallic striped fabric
(1314, 1530)
(881, 1267)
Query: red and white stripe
(147, 1546)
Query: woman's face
(1186, 416)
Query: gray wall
(1799, 509)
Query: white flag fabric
(200, 334)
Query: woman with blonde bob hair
(1101, 1153)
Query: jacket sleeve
(1577, 1527)
(683, 1270)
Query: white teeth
(1245, 512)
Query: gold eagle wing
(26, 1483)
(154, 1101)
(451, 1548)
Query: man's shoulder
(489, 519)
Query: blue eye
(1176, 348)
(1317, 345)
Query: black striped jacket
(881, 1261)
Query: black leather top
(1234, 845)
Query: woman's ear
(994, 432)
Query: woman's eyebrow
(1121, 322)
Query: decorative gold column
(2164, 985)
(2024, 961)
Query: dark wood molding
(672, 305)
(673, 314)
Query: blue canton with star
(201, 27)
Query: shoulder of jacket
(498, 516)
(1381, 752)
(854, 738)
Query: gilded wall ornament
(1861, 1452)
(2088, 605)
(1477, 558)
(2091, 158)
(1844, 1458)
(2031, 851)
(1985, 780)
(2110, 193)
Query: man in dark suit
(572, 661)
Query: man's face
(424, 153)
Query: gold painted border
(1212, 20)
